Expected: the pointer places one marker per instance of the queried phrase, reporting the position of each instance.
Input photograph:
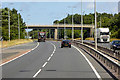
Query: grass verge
(4, 44)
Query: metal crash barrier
(111, 64)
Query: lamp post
(27, 27)
(72, 21)
(19, 26)
(64, 30)
(95, 25)
(82, 13)
(81, 24)
(9, 21)
(72, 24)
(92, 27)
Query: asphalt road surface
(48, 60)
(14, 50)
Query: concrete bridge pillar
(49, 33)
(55, 34)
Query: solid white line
(49, 58)
(37, 73)
(44, 64)
(19, 56)
(95, 71)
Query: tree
(107, 20)
(13, 24)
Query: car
(66, 43)
(115, 45)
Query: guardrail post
(118, 71)
(115, 68)
(111, 65)
(104, 60)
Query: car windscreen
(104, 33)
(117, 42)
(66, 41)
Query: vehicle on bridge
(103, 35)
(115, 45)
(41, 36)
(66, 43)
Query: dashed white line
(95, 71)
(19, 56)
(51, 55)
(44, 64)
(49, 58)
(37, 73)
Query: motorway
(48, 60)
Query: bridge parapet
(62, 25)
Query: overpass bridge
(62, 26)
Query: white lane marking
(54, 47)
(19, 56)
(44, 64)
(37, 73)
(95, 71)
(51, 55)
(49, 58)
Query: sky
(44, 13)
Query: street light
(9, 21)
(95, 25)
(19, 27)
(82, 13)
(27, 26)
(72, 22)
(92, 27)
(64, 30)
(81, 24)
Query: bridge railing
(62, 25)
(112, 66)
(73, 25)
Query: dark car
(66, 43)
(115, 45)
